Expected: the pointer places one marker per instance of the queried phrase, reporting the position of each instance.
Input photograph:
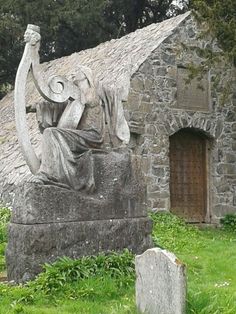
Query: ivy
(220, 18)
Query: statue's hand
(136, 127)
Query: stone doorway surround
(157, 166)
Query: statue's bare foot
(42, 179)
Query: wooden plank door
(188, 186)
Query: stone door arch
(188, 175)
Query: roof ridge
(182, 17)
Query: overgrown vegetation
(211, 263)
(119, 267)
(101, 284)
(105, 284)
(4, 219)
(220, 17)
(229, 222)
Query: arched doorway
(188, 175)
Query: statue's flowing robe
(62, 148)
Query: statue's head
(32, 34)
(85, 81)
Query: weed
(229, 222)
(4, 219)
(106, 277)
(119, 266)
(172, 233)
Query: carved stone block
(193, 94)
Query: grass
(210, 258)
(4, 218)
(93, 295)
(105, 284)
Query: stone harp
(56, 89)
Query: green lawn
(106, 284)
(210, 257)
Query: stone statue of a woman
(71, 119)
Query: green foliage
(71, 25)
(65, 270)
(167, 229)
(128, 15)
(229, 222)
(220, 17)
(10, 49)
(5, 215)
(4, 219)
(4, 89)
(88, 282)
(210, 259)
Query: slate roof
(113, 63)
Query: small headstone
(160, 283)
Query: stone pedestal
(50, 222)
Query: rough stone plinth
(49, 222)
(161, 283)
(30, 246)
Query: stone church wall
(155, 113)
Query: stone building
(182, 127)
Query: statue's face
(31, 37)
(87, 90)
(82, 81)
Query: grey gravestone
(161, 283)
